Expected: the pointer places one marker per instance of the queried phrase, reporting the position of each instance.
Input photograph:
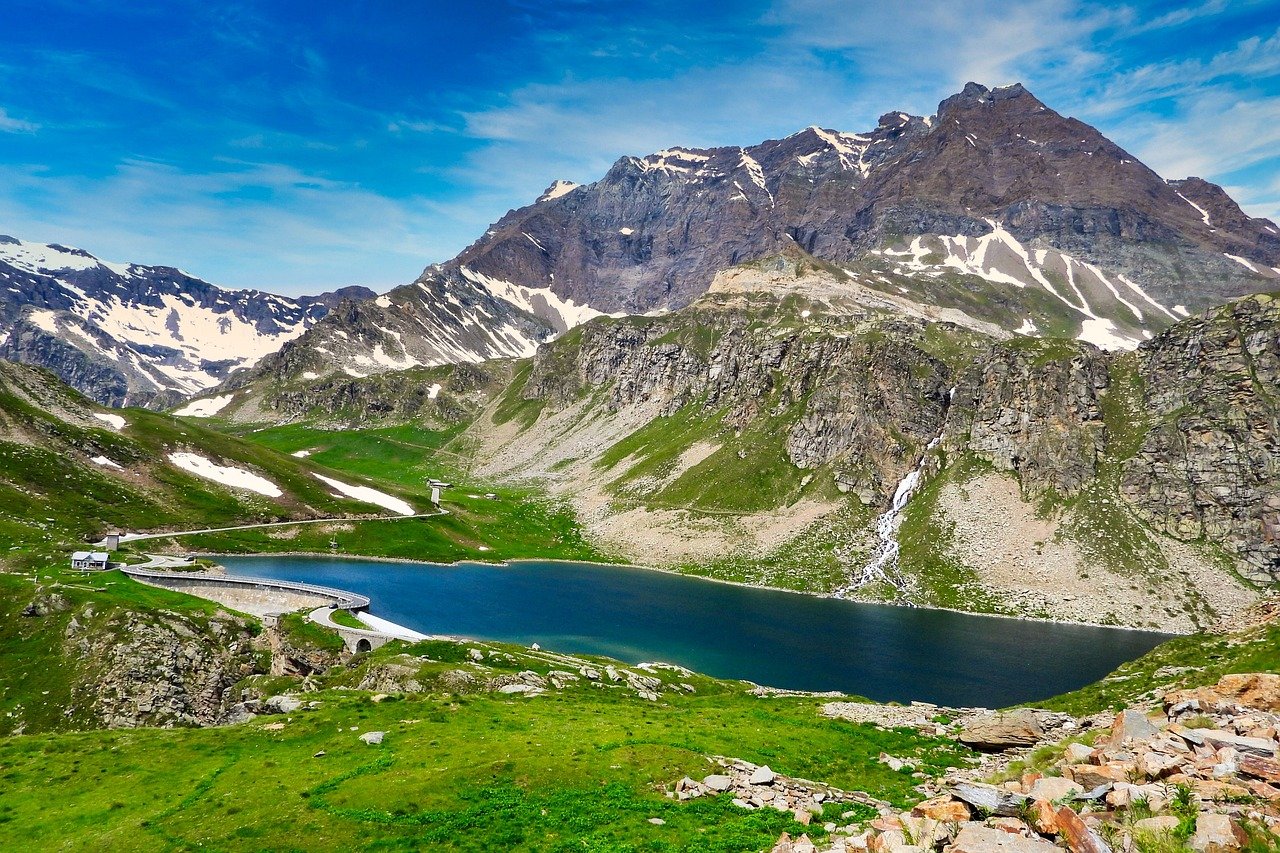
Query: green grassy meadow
(582, 769)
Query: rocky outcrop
(867, 397)
(442, 396)
(1210, 466)
(1033, 415)
(1203, 775)
(159, 668)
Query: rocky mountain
(128, 334)
(996, 206)
(806, 443)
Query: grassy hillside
(55, 492)
(580, 769)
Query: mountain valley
(981, 361)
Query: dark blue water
(775, 638)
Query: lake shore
(678, 573)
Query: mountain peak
(557, 189)
(976, 94)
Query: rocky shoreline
(1199, 772)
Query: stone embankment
(1200, 772)
(258, 596)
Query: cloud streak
(306, 152)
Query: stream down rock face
(1037, 418)
(159, 669)
(1210, 466)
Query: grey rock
(718, 782)
(282, 704)
(990, 798)
(1005, 730)
(372, 738)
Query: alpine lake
(781, 639)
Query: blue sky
(301, 146)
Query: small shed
(90, 560)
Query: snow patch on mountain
(542, 302)
(227, 475)
(1102, 304)
(205, 408)
(116, 422)
(368, 495)
(557, 189)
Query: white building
(90, 560)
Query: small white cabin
(90, 560)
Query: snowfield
(117, 423)
(369, 496)
(236, 478)
(206, 408)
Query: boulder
(990, 798)
(1044, 817)
(1217, 739)
(373, 738)
(1156, 765)
(944, 808)
(975, 838)
(718, 783)
(1216, 833)
(1089, 776)
(1131, 725)
(1078, 752)
(282, 704)
(762, 776)
(1054, 788)
(1259, 690)
(1079, 838)
(1001, 731)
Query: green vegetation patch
(580, 770)
(1190, 661)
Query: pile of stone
(1191, 774)
(755, 786)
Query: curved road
(137, 537)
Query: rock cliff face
(1036, 417)
(867, 394)
(159, 669)
(1210, 465)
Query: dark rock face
(137, 335)
(867, 402)
(159, 669)
(1038, 419)
(654, 231)
(1210, 467)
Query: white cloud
(9, 124)
(261, 225)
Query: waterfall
(885, 556)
